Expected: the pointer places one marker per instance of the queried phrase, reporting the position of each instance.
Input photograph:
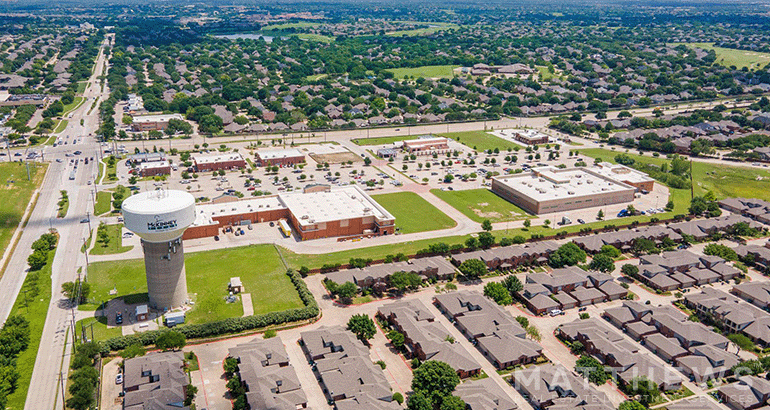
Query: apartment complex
(269, 379)
(155, 381)
(344, 369)
(497, 335)
(732, 313)
(552, 386)
(377, 277)
(568, 288)
(682, 269)
(425, 338)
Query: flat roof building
(281, 157)
(622, 173)
(215, 162)
(154, 122)
(338, 211)
(150, 169)
(548, 189)
(426, 145)
(341, 211)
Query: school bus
(285, 228)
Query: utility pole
(88, 218)
(61, 383)
(85, 245)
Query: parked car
(119, 318)
(119, 378)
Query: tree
(452, 403)
(473, 268)
(435, 380)
(629, 270)
(362, 326)
(568, 254)
(396, 339)
(472, 243)
(170, 340)
(486, 239)
(398, 398)
(593, 369)
(602, 262)
(37, 260)
(631, 405)
(418, 401)
(497, 292)
(610, 251)
(647, 390)
(523, 321)
(189, 394)
(486, 225)
(405, 280)
(347, 290)
(513, 284)
(577, 348)
(231, 366)
(600, 215)
(527, 223)
(644, 245)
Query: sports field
(427, 71)
(481, 204)
(413, 213)
(207, 276)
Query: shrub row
(229, 325)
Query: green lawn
(207, 276)
(433, 27)
(35, 308)
(480, 140)
(427, 71)
(286, 26)
(725, 181)
(101, 331)
(15, 194)
(81, 87)
(61, 126)
(413, 213)
(481, 204)
(71, 106)
(103, 202)
(115, 244)
(382, 140)
(314, 37)
(732, 57)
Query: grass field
(286, 26)
(103, 202)
(81, 87)
(35, 309)
(427, 71)
(61, 126)
(115, 244)
(732, 57)
(480, 140)
(381, 140)
(207, 276)
(413, 213)
(15, 195)
(314, 37)
(71, 106)
(725, 181)
(481, 204)
(433, 27)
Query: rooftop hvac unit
(588, 181)
(233, 209)
(570, 192)
(261, 206)
(304, 217)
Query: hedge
(229, 325)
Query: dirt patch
(336, 158)
(488, 215)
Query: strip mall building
(317, 212)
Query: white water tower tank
(160, 219)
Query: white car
(119, 378)
(556, 312)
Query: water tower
(160, 218)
